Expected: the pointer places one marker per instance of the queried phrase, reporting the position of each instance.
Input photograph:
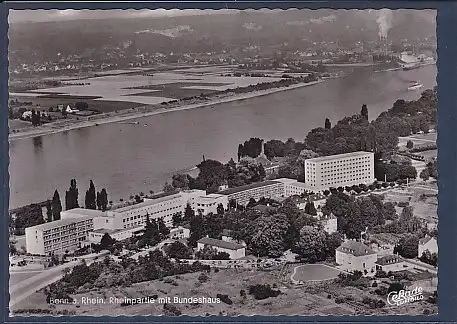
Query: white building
(330, 223)
(427, 243)
(59, 236)
(227, 236)
(235, 250)
(390, 263)
(292, 187)
(118, 234)
(207, 204)
(265, 189)
(340, 170)
(356, 256)
(179, 232)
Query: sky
(61, 15)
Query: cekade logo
(404, 296)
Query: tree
(167, 187)
(240, 151)
(328, 124)
(56, 206)
(274, 148)
(81, 105)
(178, 250)
(269, 235)
(189, 213)
(107, 242)
(220, 209)
(424, 174)
(364, 111)
(48, 211)
(311, 246)
(151, 234)
(409, 144)
(71, 196)
(310, 209)
(197, 230)
(177, 219)
(407, 247)
(90, 199)
(103, 199)
(163, 229)
(180, 181)
(27, 216)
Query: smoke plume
(384, 21)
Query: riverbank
(107, 118)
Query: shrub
(374, 285)
(171, 310)
(225, 299)
(329, 296)
(263, 291)
(339, 300)
(203, 278)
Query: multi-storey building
(265, 189)
(208, 204)
(292, 187)
(58, 237)
(339, 170)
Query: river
(127, 159)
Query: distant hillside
(206, 33)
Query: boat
(415, 86)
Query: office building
(265, 189)
(339, 170)
(58, 237)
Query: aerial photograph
(222, 162)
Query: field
(161, 86)
(313, 299)
(428, 155)
(418, 139)
(314, 272)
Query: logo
(397, 298)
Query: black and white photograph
(168, 162)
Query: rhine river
(127, 159)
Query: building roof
(164, 194)
(389, 259)
(220, 243)
(355, 248)
(148, 202)
(60, 223)
(114, 231)
(425, 240)
(338, 156)
(248, 187)
(84, 212)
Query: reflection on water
(38, 143)
(127, 159)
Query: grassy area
(53, 101)
(315, 299)
(428, 155)
(177, 90)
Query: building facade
(118, 234)
(339, 170)
(390, 263)
(59, 236)
(207, 204)
(265, 189)
(356, 256)
(427, 243)
(235, 250)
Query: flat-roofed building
(265, 189)
(339, 170)
(293, 187)
(118, 234)
(208, 203)
(59, 236)
(234, 250)
(162, 207)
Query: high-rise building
(339, 170)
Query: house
(234, 250)
(427, 243)
(180, 232)
(227, 236)
(390, 263)
(330, 223)
(356, 256)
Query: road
(25, 283)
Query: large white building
(234, 250)
(207, 204)
(282, 187)
(356, 256)
(339, 170)
(58, 237)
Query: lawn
(428, 155)
(314, 272)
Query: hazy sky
(59, 15)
